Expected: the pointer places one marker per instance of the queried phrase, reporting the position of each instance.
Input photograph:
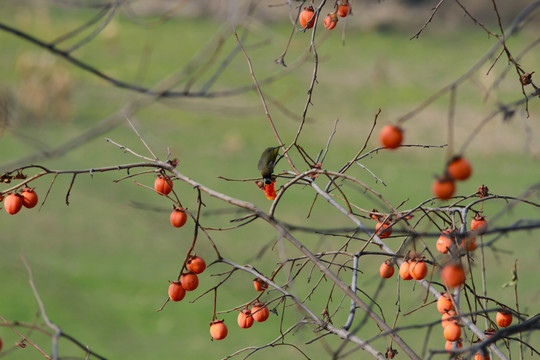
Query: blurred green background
(102, 264)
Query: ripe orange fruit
(196, 264)
(383, 230)
(452, 331)
(178, 217)
(189, 281)
(448, 345)
(218, 329)
(418, 269)
(453, 275)
(163, 184)
(444, 242)
(260, 284)
(391, 136)
(13, 203)
(447, 318)
(444, 303)
(504, 318)
(330, 21)
(479, 224)
(343, 8)
(260, 312)
(443, 188)
(387, 269)
(307, 17)
(480, 356)
(459, 168)
(245, 320)
(176, 291)
(29, 197)
(404, 271)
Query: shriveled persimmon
(260, 284)
(163, 184)
(387, 269)
(443, 188)
(307, 17)
(418, 269)
(404, 270)
(391, 136)
(330, 21)
(479, 224)
(245, 320)
(459, 168)
(176, 291)
(453, 274)
(178, 217)
(504, 318)
(469, 243)
(29, 197)
(189, 281)
(13, 203)
(260, 312)
(196, 264)
(218, 329)
(452, 331)
(445, 241)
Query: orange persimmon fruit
(330, 21)
(218, 329)
(391, 136)
(163, 184)
(453, 275)
(245, 320)
(418, 269)
(443, 188)
(383, 229)
(459, 168)
(29, 197)
(479, 224)
(189, 281)
(13, 203)
(343, 8)
(176, 291)
(196, 264)
(307, 17)
(504, 318)
(444, 303)
(260, 284)
(444, 242)
(404, 270)
(452, 331)
(386, 269)
(260, 312)
(178, 217)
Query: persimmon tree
(436, 248)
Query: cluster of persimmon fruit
(163, 186)
(247, 316)
(14, 202)
(452, 274)
(307, 17)
(458, 168)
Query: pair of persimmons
(14, 202)
(163, 185)
(458, 168)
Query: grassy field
(102, 264)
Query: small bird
(267, 163)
